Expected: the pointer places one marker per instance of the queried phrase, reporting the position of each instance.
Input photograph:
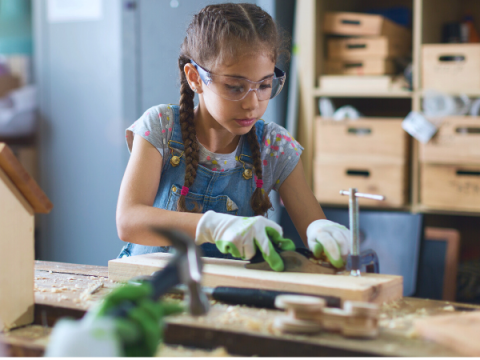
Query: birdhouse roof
(27, 186)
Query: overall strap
(176, 140)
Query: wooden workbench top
(68, 289)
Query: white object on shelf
(438, 104)
(419, 127)
(346, 112)
(326, 107)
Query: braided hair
(215, 34)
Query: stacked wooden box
(370, 154)
(450, 166)
(375, 42)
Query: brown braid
(259, 201)
(188, 134)
(216, 34)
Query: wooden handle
(467, 130)
(356, 46)
(353, 65)
(467, 173)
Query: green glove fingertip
(317, 250)
(274, 259)
(338, 263)
(226, 247)
(283, 243)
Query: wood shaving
(180, 351)
(449, 308)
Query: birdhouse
(20, 199)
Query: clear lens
(235, 89)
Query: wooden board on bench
(376, 288)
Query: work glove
(99, 333)
(240, 236)
(331, 239)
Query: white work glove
(239, 236)
(329, 238)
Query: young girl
(208, 170)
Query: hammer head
(187, 263)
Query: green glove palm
(145, 317)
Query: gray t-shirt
(279, 151)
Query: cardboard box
(346, 83)
(451, 67)
(368, 47)
(456, 142)
(450, 187)
(370, 66)
(358, 24)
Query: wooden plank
(23, 181)
(374, 288)
(67, 268)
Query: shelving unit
(428, 16)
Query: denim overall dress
(225, 192)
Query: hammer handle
(258, 297)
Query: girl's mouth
(245, 122)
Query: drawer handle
(359, 131)
(356, 46)
(450, 58)
(364, 173)
(352, 65)
(468, 173)
(350, 22)
(467, 130)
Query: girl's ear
(193, 78)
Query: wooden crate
(358, 24)
(456, 142)
(372, 140)
(368, 47)
(450, 186)
(331, 176)
(451, 67)
(367, 66)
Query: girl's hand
(329, 238)
(239, 236)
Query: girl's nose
(251, 100)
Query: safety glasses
(236, 88)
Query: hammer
(185, 268)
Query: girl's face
(238, 117)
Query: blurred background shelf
(390, 94)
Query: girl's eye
(265, 86)
(234, 88)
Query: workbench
(63, 289)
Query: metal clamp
(353, 211)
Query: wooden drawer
(331, 176)
(367, 47)
(348, 23)
(450, 187)
(456, 142)
(378, 140)
(451, 67)
(367, 66)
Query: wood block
(16, 256)
(450, 187)
(457, 331)
(346, 83)
(375, 288)
(451, 67)
(368, 47)
(23, 181)
(377, 140)
(331, 175)
(456, 142)
(358, 24)
(365, 66)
